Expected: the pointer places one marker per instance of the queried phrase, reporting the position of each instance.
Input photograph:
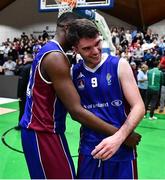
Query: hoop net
(65, 6)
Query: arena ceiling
(140, 13)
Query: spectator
(126, 54)
(128, 36)
(19, 65)
(45, 35)
(138, 55)
(149, 58)
(24, 36)
(22, 84)
(5, 51)
(161, 46)
(162, 93)
(143, 81)
(2, 46)
(153, 91)
(162, 62)
(9, 67)
(36, 47)
(134, 69)
(13, 53)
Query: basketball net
(65, 6)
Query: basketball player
(108, 89)
(43, 123)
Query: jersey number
(94, 82)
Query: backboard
(52, 5)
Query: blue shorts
(89, 168)
(47, 155)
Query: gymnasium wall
(158, 28)
(8, 87)
(24, 16)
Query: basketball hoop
(65, 6)
(55, 5)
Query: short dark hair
(81, 28)
(66, 18)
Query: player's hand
(107, 148)
(133, 140)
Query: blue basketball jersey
(43, 110)
(101, 93)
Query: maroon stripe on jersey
(53, 156)
(134, 168)
(43, 107)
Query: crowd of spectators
(145, 51)
(140, 49)
(135, 46)
(12, 52)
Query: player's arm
(57, 70)
(111, 144)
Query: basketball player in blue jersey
(108, 89)
(50, 92)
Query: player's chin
(96, 60)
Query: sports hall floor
(151, 150)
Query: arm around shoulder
(57, 68)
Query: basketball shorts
(89, 168)
(47, 155)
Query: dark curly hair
(67, 18)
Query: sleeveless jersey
(43, 110)
(101, 93)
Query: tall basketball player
(107, 88)
(49, 91)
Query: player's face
(90, 50)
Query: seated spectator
(156, 55)
(126, 54)
(161, 46)
(149, 58)
(9, 67)
(138, 55)
(24, 36)
(6, 51)
(13, 53)
(128, 36)
(2, 47)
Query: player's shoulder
(113, 60)
(78, 65)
